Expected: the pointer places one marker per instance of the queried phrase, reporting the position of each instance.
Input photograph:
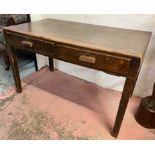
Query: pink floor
(54, 105)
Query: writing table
(113, 50)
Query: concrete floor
(26, 67)
(54, 105)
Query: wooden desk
(112, 50)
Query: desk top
(116, 40)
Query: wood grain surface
(116, 40)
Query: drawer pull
(88, 59)
(27, 43)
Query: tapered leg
(51, 64)
(127, 91)
(15, 70)
(35, 62)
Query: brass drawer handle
(27, 43)
(88, 59)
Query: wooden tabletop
(123, 41)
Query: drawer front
(103, 62)
(31, 44)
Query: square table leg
(51, 64)
(35, 62)
(14, 66)
(127, 92)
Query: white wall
(140, 22)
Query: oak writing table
(112, 50)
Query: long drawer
(36, 45)
(99, 61)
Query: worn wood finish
(51, 64)
(127, 90)
(103, 62)
(13, 60)
(31, 44)
(115, 40)
(112, 50)
(35, 62)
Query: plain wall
(131, 21)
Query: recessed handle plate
(88, 59)
(27, 43)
